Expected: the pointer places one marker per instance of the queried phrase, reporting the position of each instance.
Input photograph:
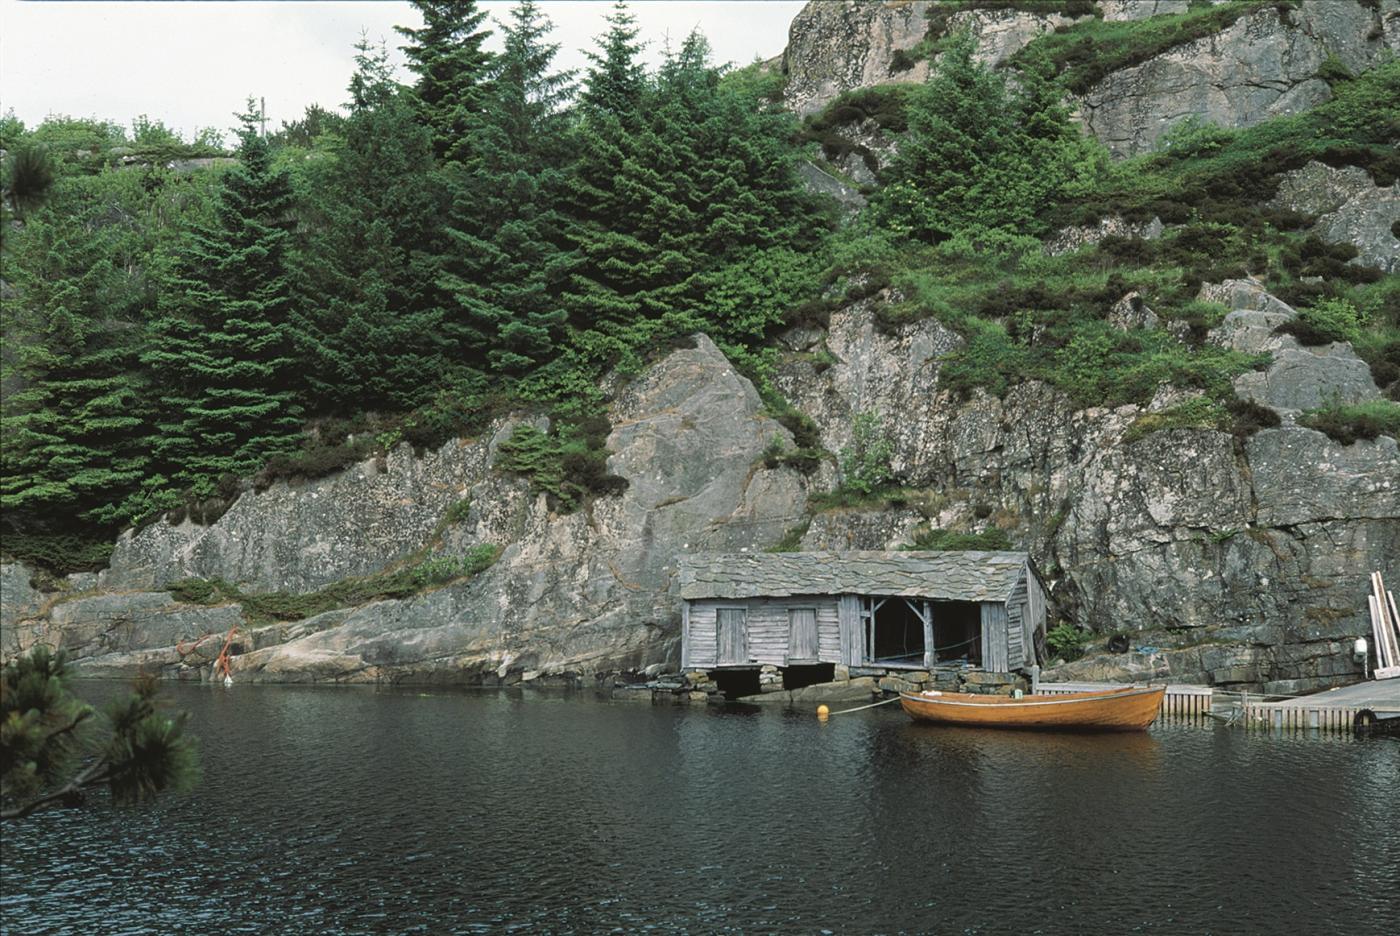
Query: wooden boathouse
(888, 610)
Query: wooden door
(802, 635)
(994, 638)
(732, 627)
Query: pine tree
(616, 82)
(74, 411)
(448, 57)
(371, 315)
(222, 344)
(508, 266)
(979, 154)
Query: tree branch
(96, 773)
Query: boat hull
(1131, 709)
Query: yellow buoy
(822, 712)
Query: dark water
(354, 811)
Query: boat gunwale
(1003, 702)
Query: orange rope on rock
(222, 662)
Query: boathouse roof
(949, 576)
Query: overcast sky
(193, 64)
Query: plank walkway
(1334, 710)
(1180, 701)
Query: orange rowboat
(1131, 709)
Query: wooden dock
(1335, 710)
(1179, 702)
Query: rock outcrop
(1263, 65)
(1350, 209)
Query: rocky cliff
(1239, 561)
(1264, 64)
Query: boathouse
(890, 610)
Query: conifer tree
(448, 57)
(979, 154)
(508, 266)
(371, 314)
(221, 346)
(75, 404)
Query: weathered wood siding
(802, 634)
(1034, 621)
(852, 639)
(733, 627)
(766, 630)
(994, 637)
(1015, 628)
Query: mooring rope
(863, 707)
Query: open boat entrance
(912, 633)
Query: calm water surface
(356, 811)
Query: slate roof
(950, 576)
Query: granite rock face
(1297, 378)
(840, 45)
(1179, 529)
(1351, 209)
(581, 593)
(1262, 66)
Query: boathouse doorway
(957, 628)
(898, 633)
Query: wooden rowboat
(1131, 709)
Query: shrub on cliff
(982, 155)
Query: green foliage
(59, 553)
(28, 176)
(982, 155)
(371, 312)
(1196, 413)
(54, 748)
(1087, 51)
(792, 538)
(865, 463)
(569, 463)
(1065, 640)
(1325, 321)
(1347, 423)
(779, 454)
(229, 396)
(991, 539)
(448, 56)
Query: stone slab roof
(950, 576)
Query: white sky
(193, 64)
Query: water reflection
(350, 811)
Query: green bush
(1346, 423)
(992, 539)
(569, 466)
(1324, 322)
(1198, 413)
(865, 463)
(400, 583)
(1067, 641)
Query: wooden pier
(1338, 710)
(1179, 702)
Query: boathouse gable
(897, 610)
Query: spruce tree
(980, 154)
(221, 345)
(508, 265)
(370, 313)
(448, 57)
(71, 435)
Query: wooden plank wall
(767, 629)
(1015, 625)
(1034, 617)
(994, 637)
(848, 616)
